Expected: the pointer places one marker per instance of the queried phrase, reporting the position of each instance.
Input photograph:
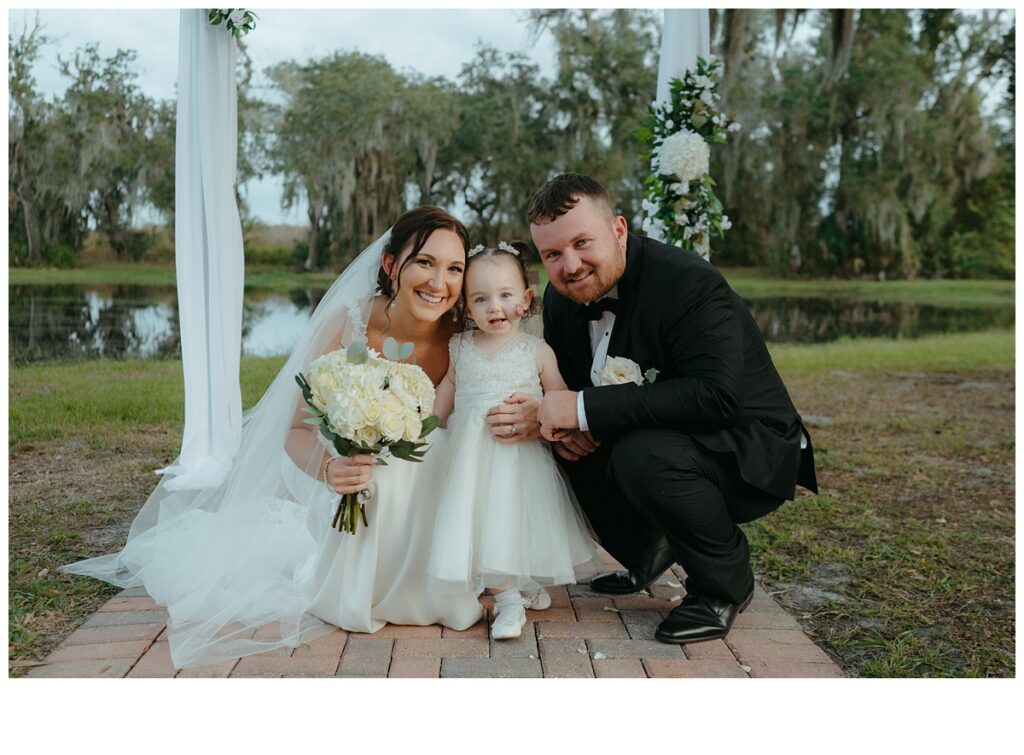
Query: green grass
(751, 284)
(151, 275)
(98, 400)
(960, 352)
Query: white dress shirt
(600, 335)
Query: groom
(664, 470)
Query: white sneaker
(509, 622)
(539, 601)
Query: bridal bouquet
(368, 404)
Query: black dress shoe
(652, 566)
(699, 618)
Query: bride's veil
(232, 563)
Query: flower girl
(507, 520)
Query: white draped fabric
(208, 252)
(685, 35)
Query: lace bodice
(491, 379)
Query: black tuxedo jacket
(716, 381)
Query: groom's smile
(583, 250)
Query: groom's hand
(575, 444)
(557, 412)
(514, 420)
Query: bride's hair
(497, 253)
(415, 226)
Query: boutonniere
(620, 370)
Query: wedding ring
(513, 429)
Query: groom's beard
(591, 287)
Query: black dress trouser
(652, 484)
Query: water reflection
(816, 320)
(81, 322)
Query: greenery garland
(679, 199)
(239, 21)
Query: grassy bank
(901, 566)
(153, 275)
(751, 284)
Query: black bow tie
(596, 309)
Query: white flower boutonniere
(620, 370)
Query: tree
(503, 148)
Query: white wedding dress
(379, 575)
(252, 565)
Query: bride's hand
(350, 474)
(515, 419)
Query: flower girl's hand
(350, 474)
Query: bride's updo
(415, 227)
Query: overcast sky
(432, 42)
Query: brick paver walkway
(582, 634)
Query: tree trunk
(35, 250)
(735, 38)
(843, 26)
(313, 258)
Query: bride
(253, 565)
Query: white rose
(620, 370)
(367, 436)
(413, 427)
(372, 409)
(392, 426)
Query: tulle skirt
(507, 518)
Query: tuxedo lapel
(618, 342)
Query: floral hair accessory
(502, 245)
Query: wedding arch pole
(685, 35)
(208, 252)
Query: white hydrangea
(685, 155)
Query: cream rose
(392, 426)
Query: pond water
(76, 322)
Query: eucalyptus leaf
(651, 375)
(429, 425)
(390, 349)
(311, 421)
(405, 351)
(357, 353)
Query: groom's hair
(561, 193)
